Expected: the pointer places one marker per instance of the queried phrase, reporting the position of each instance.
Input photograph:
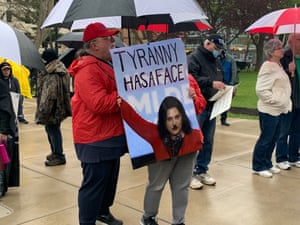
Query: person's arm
(265, 82)
(142, 127)
(194, 67)
(4, 126)
(95, 85)
(199, 100)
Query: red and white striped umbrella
(281, 21)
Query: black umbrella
(74, 40)
(16, 46)
(67, 11)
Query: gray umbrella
(16, 46)
(74, 40)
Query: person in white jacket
(273, 90)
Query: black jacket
(285, 61)
(7, 115)
(205, 68)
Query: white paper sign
(15, 98)
(223, 102)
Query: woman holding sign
(175, 144)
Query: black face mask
(174, 145)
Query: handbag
(4, 158)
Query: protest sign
(145, 75)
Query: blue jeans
(262, 154)
(208, 128)
(294, 136)
(55, 139)
(282, 142)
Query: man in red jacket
(97, 126)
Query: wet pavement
(48, 195)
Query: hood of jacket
(80, 63)
(57, 67)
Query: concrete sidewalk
(48, 195)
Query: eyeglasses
(278, 48)
(108, 38)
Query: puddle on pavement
(5, 211)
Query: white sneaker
(196, 183)
(264, 173)
(284, 165)
(295, 164)
(274, 170)
(206, 179)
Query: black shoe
(50, 157)
(148, 221)
(22, 120)
(55, 162)
(109, 219)
(224, 123)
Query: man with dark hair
(205, 67)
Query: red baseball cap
(95, 30)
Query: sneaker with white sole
(284, 165)
(264, 173)
(274, 170)
(196, 183)
(205, 178)
(295, 164)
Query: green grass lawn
(245, 96)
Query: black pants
(223, 117)
(55, 139)
(98, 189)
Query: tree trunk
(259, 52)
(45, 7)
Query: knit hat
(217, 40)
(49, 55)
(95, 30)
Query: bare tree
(44, 9)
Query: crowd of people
(99, 136)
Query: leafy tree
(232, 17)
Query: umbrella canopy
(278, 22)
(197, 25)
(74, 40)
(151, 23)
(16, 46)
(22, 74)
(67, 11)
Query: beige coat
(273, 89)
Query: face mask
(216, 53)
